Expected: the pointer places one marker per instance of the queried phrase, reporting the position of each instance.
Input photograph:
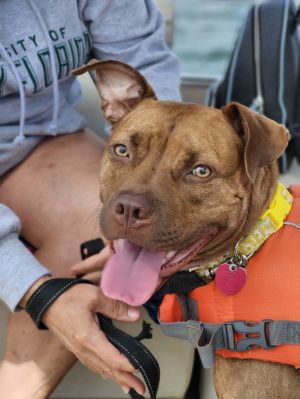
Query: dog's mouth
(132, 273)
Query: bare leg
(55, 192)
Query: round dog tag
(230, 278)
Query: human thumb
(118, 310)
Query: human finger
(93, 263)
(103, 357)
(116, 310)
(94, 277)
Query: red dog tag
(230, 278)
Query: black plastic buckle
(256, 335)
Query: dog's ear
(120, 87)
(264, 139)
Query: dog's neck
(260, 196)
(262, 192)
(270, 220)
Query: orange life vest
(272, 291)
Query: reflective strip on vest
(271, 292)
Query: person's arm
(72, 317)
(19, 269)
(133, 31)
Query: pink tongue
(131, 273)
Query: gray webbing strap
(206, 337)
(209, 337)
(284, 332)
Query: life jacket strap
(208, 338)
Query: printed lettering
(21, 43)
(44, 57)
(53, 34)
(31, 74)
(8, 52)
(80, 50)
(62, 31)
(33, 39)
(72, 51)
(69, 54)
(14, 49)
(88, 43)
(2, 79)
(63, 60)
(18, 65)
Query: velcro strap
(46, 294)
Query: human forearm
(71, 316)
(133, 31)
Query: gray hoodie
(40, 43)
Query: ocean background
(205, 32)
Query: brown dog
(179, 179)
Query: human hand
(91, 267)
(72, 319)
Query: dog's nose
(133, 210)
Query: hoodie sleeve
(133, 31)
(19, 269)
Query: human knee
(17, 381)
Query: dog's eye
(121, 150)
(201, 171)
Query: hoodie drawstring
(53, 124)
(20, 138)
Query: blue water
(205, 33)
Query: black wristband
(46, 294)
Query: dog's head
(177, 179)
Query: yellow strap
(269, 222)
